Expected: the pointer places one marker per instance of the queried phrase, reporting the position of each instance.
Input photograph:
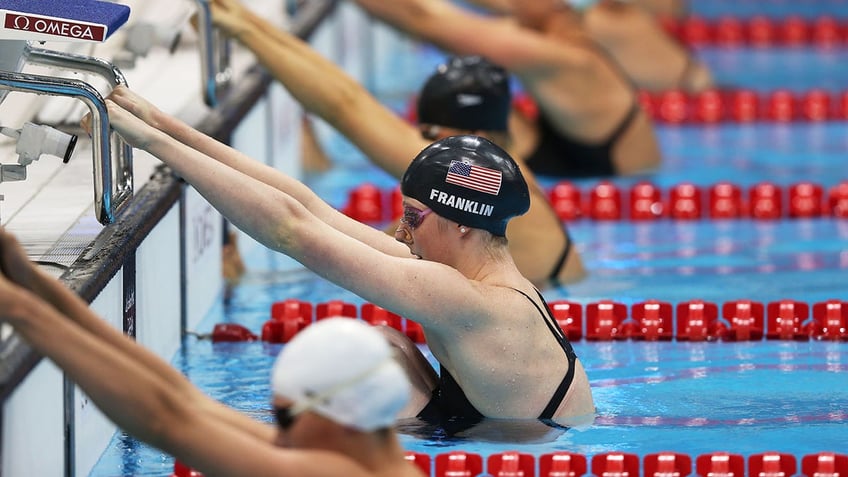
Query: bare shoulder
(505, 297)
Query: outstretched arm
(323, 88)
(240, 167)
(281, 223)
(135, 389)
(500, 40)
(16, 266)
(143, 403)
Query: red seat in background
(562, 464)
(645, 201)
(824, 464)
(605, 201)
(292, 309)
(365, 204)
(765, 201)
(725, 201)
(772, 464)
(458, 464)
(569, 316)
(746, 320)
(231, 333)
(421, 460)
(830, 320)
(806, 199)
(615, 464)
(697, 320)
(511, 464)
(720, 464)
(685, 202)
(376, 315)
(182, 470)
(335, 308)
(653, 320)
(837, 200)
(288, 317)
(414, 331)
(604, 319)
(785, 320)
(566, 200)
(667, 464)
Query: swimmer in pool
(629, 31)
(331, 420)
(590, 120)
(539, 243)
(448, 267)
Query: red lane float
(625, 464)
(712, 106)
(760, 31)
(607, 320)
(288, 318)
(687, 201)
(231, 333)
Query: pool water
(741, 397)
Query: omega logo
(55, 27)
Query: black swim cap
(466, 93)
(469, 180)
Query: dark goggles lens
(413, 217)
(284, 417)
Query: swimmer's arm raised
(280, 222)
(324, 89)
(147, 407)
(129, 392)
(500, 40)
(18, 268)
(238, 162)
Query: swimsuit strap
(625, 123)
(559, 394)
(554, 276)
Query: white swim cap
(344, 370)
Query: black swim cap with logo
(469, 180)
(466, 93)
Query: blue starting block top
(60, 20)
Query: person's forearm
(337, 98)
(319, 85)
(410, 16)
(129, 393)
(66, 301)
(239, 161)
(74, 308)
(255, 207)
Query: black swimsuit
(560, 155)
(449, 406)
(563, 156)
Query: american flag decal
(474, 177)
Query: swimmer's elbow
(291, 232)
(346, 106)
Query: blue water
(691, 397)
(769, 8)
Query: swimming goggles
(413, 217)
